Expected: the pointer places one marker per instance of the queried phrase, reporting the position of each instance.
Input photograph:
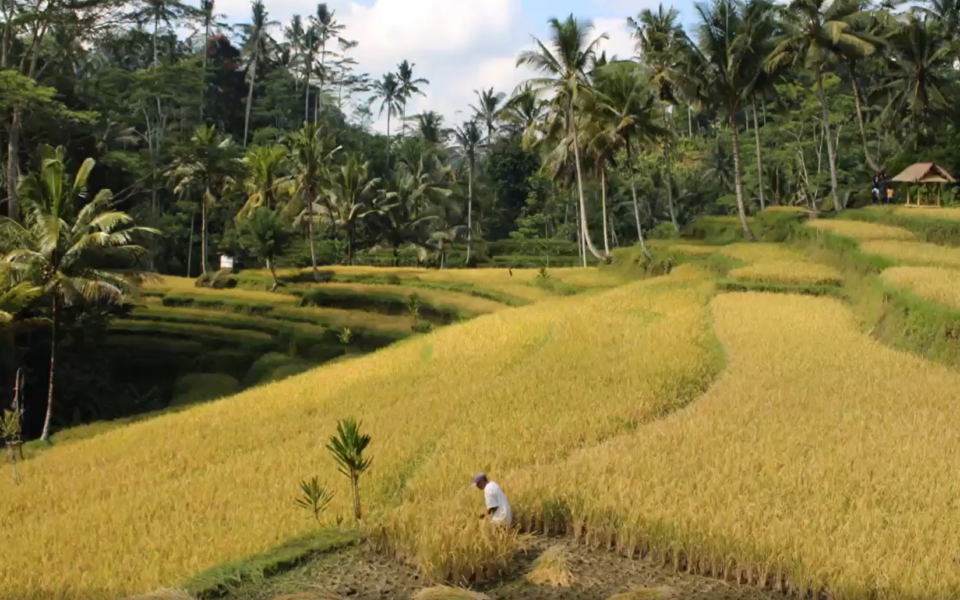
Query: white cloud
(620, 42)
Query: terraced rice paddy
(432, 405)
(754, 252)
(859, 230)
(918, 253)
(789, 272)
(946, 214)
(935, 284)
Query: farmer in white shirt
(498, 509)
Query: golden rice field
(755, 252)
(151, 504)
(471, 304)
(693, 249)
(860, 230)
(946, 214)
(805, 456)
(936, 284)
(792, 272)
(183, 285)
(914, 252)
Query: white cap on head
(479, 477)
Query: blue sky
(459, 45)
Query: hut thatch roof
(927, 172)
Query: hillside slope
(151, 504)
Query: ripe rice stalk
(859, 230)
(789, 272)
(936, 284)
(919, 253)
(753, 253)
(163, 594)
(657, 593)
(551, 569)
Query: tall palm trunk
(313, 252)
(193, 222)
(204, 261)
(825, 117)
(156, 34)
(45, 435)
(253, 81)
(863, 133)
(636, 205)
(323, 77)
(306, 84)
(356, 498)
(603, 209)
(470, 212)
(206, 50)
(13, 166)
(738, 183)
(756, 132)
(273, 273)
(583, 204)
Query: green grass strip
(221, 581)
(733, 285)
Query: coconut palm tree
(524, 113)
(205, 166)
(919, 68)
(209, 17)
(468, 141)
(264, 166)
(725, 64)
(349, 190)
(817, 32)
(489, 108)
(387, 90)
(408, 87)
(312, 153)
(310, 47)
(327, 28)
(627, 109)
(430, 127)
(265, 235)
(74, 256)
(664, 49)
(564, 66)
(257, 45)
(294, 34)
(157, 12)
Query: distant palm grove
(149, 136)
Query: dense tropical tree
(75, 251)
(258, 44)
(469, 139)
(726, 63)
(387, 91)
(430, 127)
(204, 167)
(408, 86)
(489, 108)
(313, 152)
(818, 32)
(348, 192)
(564, 66)
(265, 166)
(265, 235)
(627, 116)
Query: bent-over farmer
(498, 509)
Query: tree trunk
(470, 213)
(273, 273)
(193, 220)
(356, 499)
(603, 209)
(636, 205)
(13, 167)
(741, 208)
(206, 50)
(45, 435)
(313, 252)
(205, 263)
(306, 81)
(824, 115)
(863, 133)
(156, 33)
(669, 182)
(253, 81)
(583, 205)
(756, 131)
(689, 121)
(323, 78)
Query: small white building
(226, 262)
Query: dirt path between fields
(361, 574)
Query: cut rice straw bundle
(444, 592)
(551, 569)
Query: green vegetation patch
(229, 578)
(735, 285)
(382, 302)
(202, 387)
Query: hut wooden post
(939, 192)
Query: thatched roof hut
(921, 174)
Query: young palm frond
(347, 449)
